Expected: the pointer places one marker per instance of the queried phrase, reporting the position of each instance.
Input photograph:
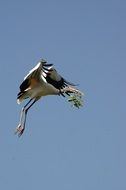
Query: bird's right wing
(54, 78)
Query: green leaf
(76, 100)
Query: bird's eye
(43, 61)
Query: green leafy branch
(76, 100)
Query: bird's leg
(25, 116)
(20, 127)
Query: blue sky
(64, 148)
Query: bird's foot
(19, 130)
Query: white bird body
(38, 85)
(42, 80)
(38, 90)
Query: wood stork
(42, 80)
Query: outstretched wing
(33, 73)
(55, 79)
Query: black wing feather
(24, 85)
(57, 84)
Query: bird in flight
(41, 81)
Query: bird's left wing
(33, 73)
